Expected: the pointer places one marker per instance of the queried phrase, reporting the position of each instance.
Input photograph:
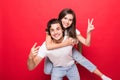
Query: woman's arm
(88, 37)
(83, 40)
(33, 59)
(51, 45)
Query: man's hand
(34, 51)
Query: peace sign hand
(34, 51)
(90, 25)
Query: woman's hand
(71, 41)
(90, 25)
(34, 51)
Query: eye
(58, 28)
(70, 19)
(51, 30)
(65, 18)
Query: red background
(23, 22)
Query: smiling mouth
(66, 25)
(56, 36)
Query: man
(61, 58)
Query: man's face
(56, 31)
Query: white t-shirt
(77, 32)
(59, 57)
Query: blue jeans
(78, 57)
(48, 66)
(71, 72)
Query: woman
(68, 19)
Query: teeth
(65, 25)
(56, 35)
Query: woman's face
(67, 20)
(56, 31)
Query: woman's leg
(77, 56)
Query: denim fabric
(77, 56)
(71, 72)
(48, 66)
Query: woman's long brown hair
(72, 29)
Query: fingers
(90, 25)
(35, 52)
(34, 45)
(90, 21)
(35, 48)
(74, 41)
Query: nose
(55, 31)
(67, 21)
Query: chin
(56, 39)
(65, 27)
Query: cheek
(61, 32)
(51, 33)
(62, 20)
(70, 23)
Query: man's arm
(33, 59)
(33, 62)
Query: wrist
(88, 32)
(30, 57)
